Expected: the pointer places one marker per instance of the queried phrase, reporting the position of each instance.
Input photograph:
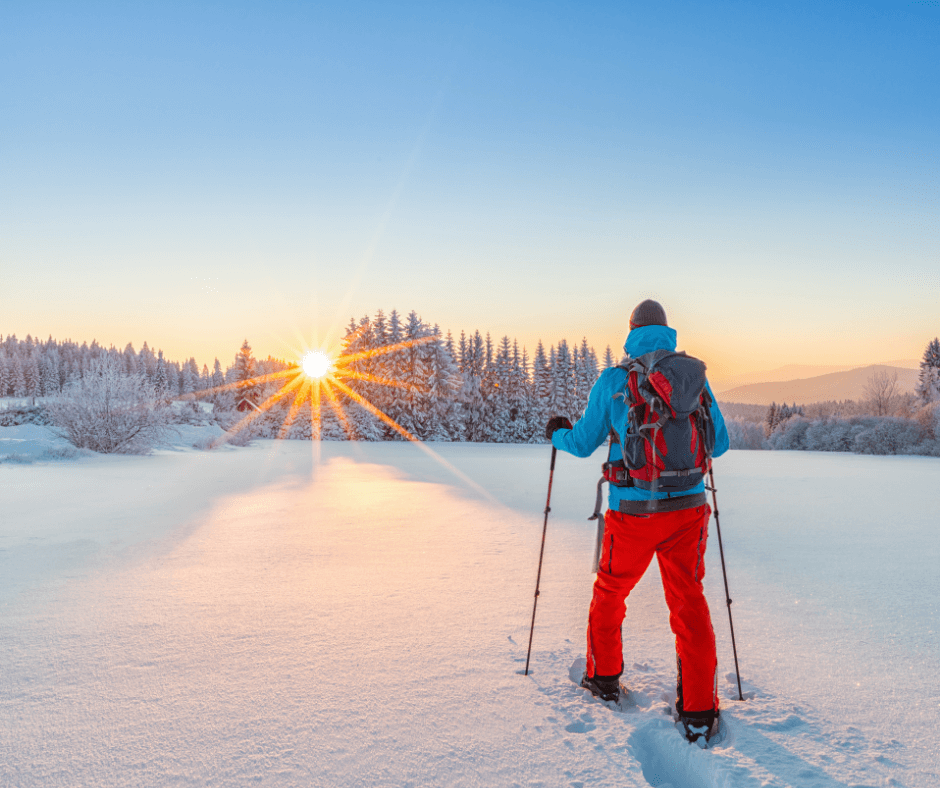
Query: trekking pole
(734, 648)
(538, 577)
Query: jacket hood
(646, 339)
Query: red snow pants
(678, 541)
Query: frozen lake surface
(360, 617)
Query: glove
(556, 423)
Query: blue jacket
(603, 411)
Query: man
(647, 517)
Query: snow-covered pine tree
(451, 408)
(410, 405)
(608, 358)
(770, 420)
(187, 380)
(160, 378)
(173, 378)
(477, 361)
(49, 371)
(575, 381)
(496, 411)
(471, 395)
(358, 340)
(563, 395)
(928, 382)
(535, 424)
(361, 341)
(489, 389)
(4, 375)
(244, 372)
(17, 377)
(94, 353)
(60, 366)
(463, 355)
(147, 362)
(336, 424)
(31, 375)
(130, 360)
(587, 373)
(391, 366)
(541, 387)
(194, 373)
(82, 361)
(444, 418)
(518, 397)
(218, 377)
(365, 424)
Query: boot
(604, 687)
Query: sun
(316, 364)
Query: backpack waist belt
(617, 474)
(663, 504)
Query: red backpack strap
(661, 385)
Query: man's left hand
(556, 423)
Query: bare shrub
(109, 411)
(882, 392)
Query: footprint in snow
(666, 758)
(580, 727)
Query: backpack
(668, 437)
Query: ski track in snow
(260, 617)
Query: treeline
(405, 377)
(43, 368)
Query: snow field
(360, 618)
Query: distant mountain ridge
(847, 384)
(790, 372)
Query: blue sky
(191, 174)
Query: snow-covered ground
(359, 617)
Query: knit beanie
(648, 313)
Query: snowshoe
(698, 727)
